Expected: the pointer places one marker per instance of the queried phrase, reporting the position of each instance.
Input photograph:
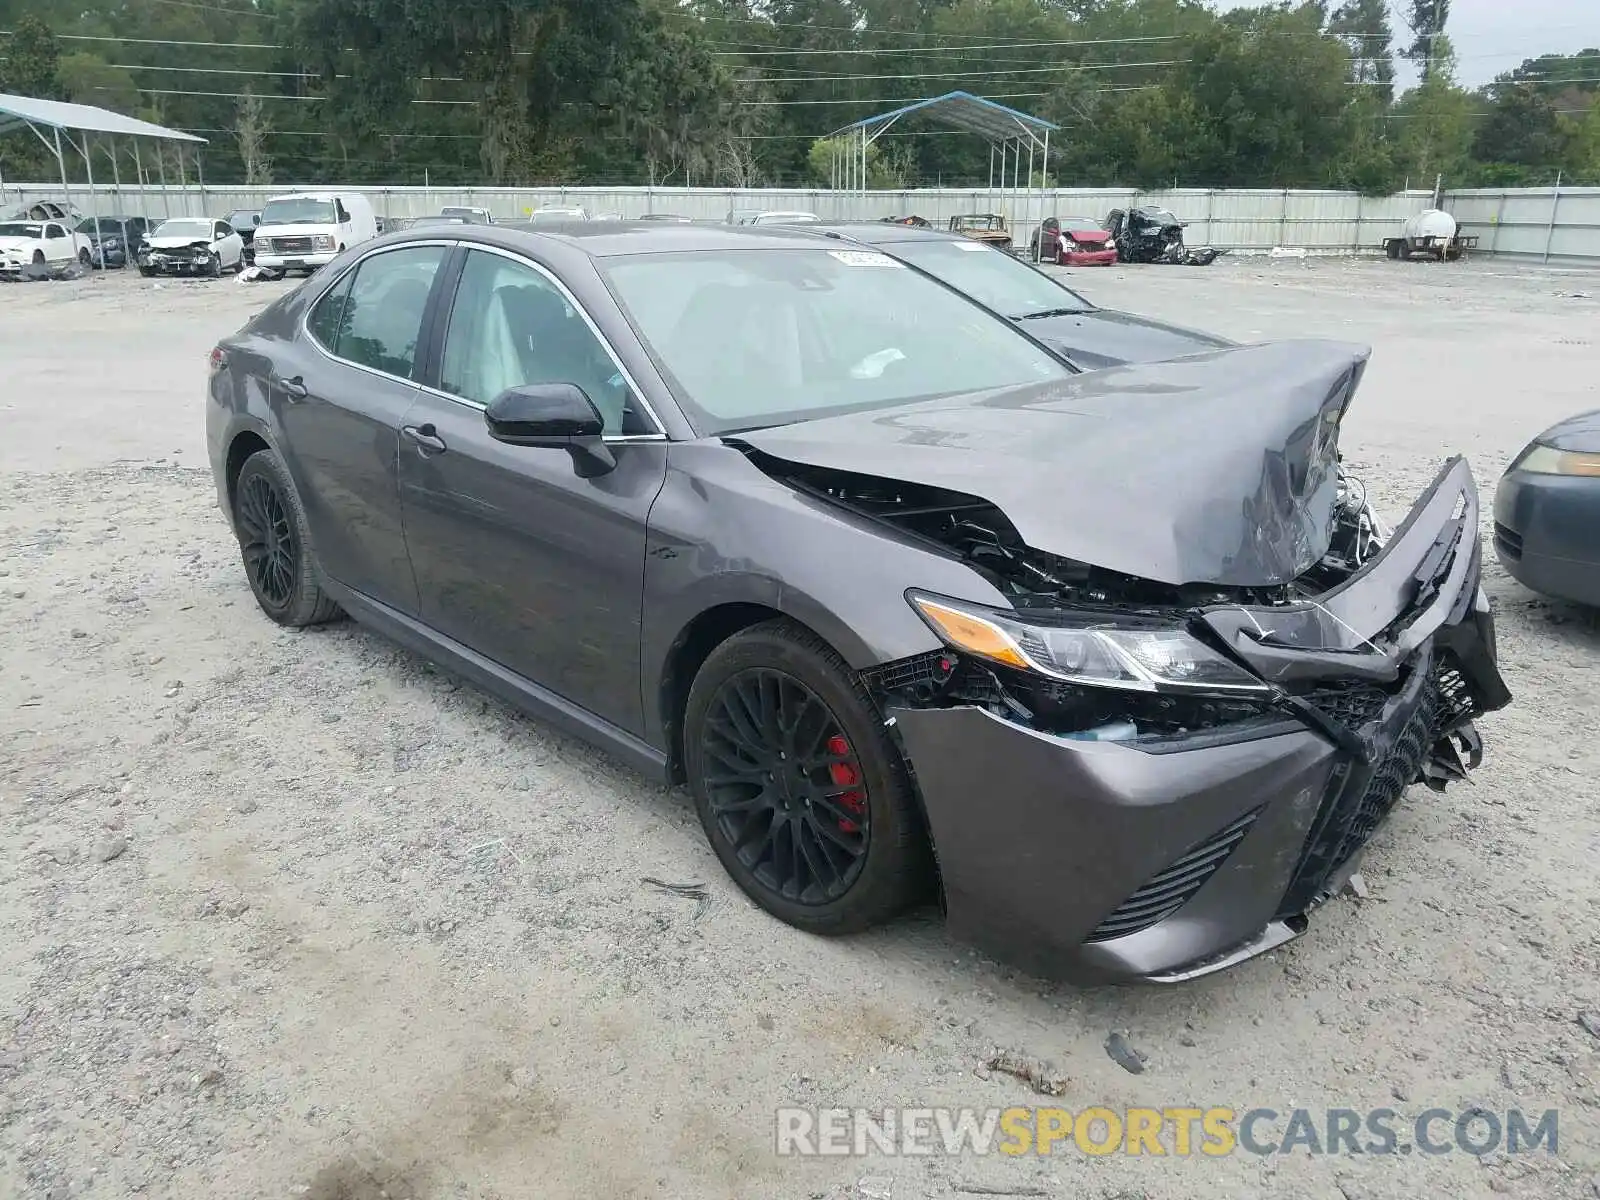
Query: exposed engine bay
(1039, 584)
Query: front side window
(511, 326)
(753, 338)
(54, 231)
(223, 229)
(378, 321)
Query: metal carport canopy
(1005, 129)
(962, 110)
(59, 116)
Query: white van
(310, 229)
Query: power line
(231, 12)
(1170, 62)
(969, 50)
(273, 96)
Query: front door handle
(426, 437)
(294, 388)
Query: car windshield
(753, 338)
(1159, 215)
(1077, 223)
(184, 227)
(476, 215)
(980, 223)
(298, 210)
(550, 216)
(440, 220)
(20, 229)
(992, 278)
(107, 225)
(243, 218)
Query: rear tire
(804, 798)
(38, 258)
(85, 260)
(275, 543)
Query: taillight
(219, 358)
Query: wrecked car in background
(40, 246)
(191, 246)
(988, 228)
(1120, 659)
(1154, 235)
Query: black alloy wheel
(803, 795)
(274, 542)
(784, 786)
(267, 540)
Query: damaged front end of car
(1126, 776)
(196, 257)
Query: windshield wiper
(1050, 312)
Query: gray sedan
(1039, 302)
(1547, 512)
(912, 607)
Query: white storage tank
(1431, 224)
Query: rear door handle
(426, 437)
(294, 388)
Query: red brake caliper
(846, 775)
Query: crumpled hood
(177, 242)
(18, 243)
(1220, 468)
(1104, 338)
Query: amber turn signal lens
(972, 634)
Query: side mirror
(557, 415)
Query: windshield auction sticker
(863, 258)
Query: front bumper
(1105, 861)
(167, 264)
(1547, 533)
(1088, 258)
(294, 262)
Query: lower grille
(1457, 702)
(1508, 541)
(1174, 887)
(1360, 801)
(1354, 707)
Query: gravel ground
(294, 914)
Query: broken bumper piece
(1168, 859)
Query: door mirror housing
(557, 415)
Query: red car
(1075, 241)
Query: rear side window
(375, 319)
(328, 315)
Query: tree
(1426, 19)
(31, 60)
(523, 61)
(1435, 120)
(86, 78)
(1363, 25)
(251, 129)
(1521, 128)
(1274, 93)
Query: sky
(1491, 36)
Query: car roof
(612, 239)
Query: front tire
(275, 543)
(802, 795)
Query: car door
(514, 554)
(338, 392)
(345, 235)
(57, 245)
(230, 250)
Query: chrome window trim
(658, 434)
(305, 317)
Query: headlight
(1547, 460)
(322, 242)
(1088, 649)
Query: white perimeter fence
(1542, 224)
